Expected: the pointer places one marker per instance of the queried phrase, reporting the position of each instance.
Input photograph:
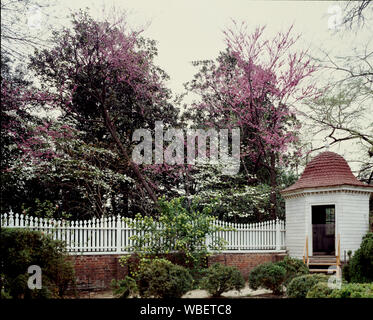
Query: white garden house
(327, 210)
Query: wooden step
(322, 264)
(323, 270)
(323, 257)
(324, 260)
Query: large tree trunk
(133, 165)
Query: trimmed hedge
(269, 276)
(221, 279)
(299, 286)
(319, 290)
(353, 290)
(163, 279)
(294, 268)
(21, 248)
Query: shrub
(353, 290)
(184, 231)
(222, 278)
(299, 286)
(319, 290)
(162, 279)
(124, 288)
(346, 272)
(346, 268)
(293, 267)
(269, 276)
(360, 266)
(5, 295)
(134, 261)
(22, 248)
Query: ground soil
(244, 293)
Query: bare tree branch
(355, 13)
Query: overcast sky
(187, 30)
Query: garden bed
(244, 293)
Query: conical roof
(328, 169)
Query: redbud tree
(255, 85)
(104, 80)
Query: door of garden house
(323, 230)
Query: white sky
(188, 30)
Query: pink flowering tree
(18, 124)
(105, 82)
(255, 85)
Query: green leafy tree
(177, 229)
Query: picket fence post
(278, 235)
(119, 233)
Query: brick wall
(245, 262)
(95, 272)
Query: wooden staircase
(323, 263)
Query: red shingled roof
(327, 169)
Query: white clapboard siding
(353, 220)
(295, 227)
(109, 235)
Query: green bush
(5, 295)
(162, 279)
(353, 290)
(346, 268)
(346, 272)
(222, 278)
(293, 267)
(269, 276)
(360, 266)
(124, 288)
(21, 248)
(299, 286)
(184, 231)
(319, 290)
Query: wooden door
(323, 230)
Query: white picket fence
(112, 235)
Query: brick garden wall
(245, 262)
(95, 272)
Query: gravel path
(245, 292)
